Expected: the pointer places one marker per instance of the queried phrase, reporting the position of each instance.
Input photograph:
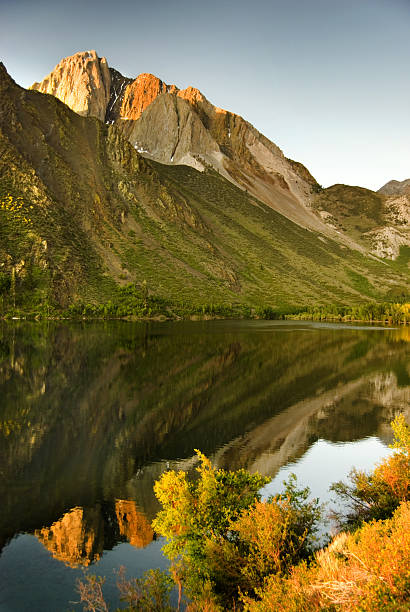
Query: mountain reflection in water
(82, 534)
(91, 414)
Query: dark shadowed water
(91, 414)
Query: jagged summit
(140, 93)
(82, 81)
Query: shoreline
(163, 318)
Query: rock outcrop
(380, 222)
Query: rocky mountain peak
(82, 81)
(94, 215)
(140, 93)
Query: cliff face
(139, 94)
(82, 81)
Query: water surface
(91, 414)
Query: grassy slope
(277, 261)
(109, 217)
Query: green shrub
(224, 537)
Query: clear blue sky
(327, 80)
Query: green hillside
(82, 213)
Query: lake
(91, 414)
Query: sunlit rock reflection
(133, 524)
(77, 538)
(81, 535)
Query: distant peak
(395, 187)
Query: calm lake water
(91, 414)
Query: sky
(328, 81)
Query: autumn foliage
(367, 570)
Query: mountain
(82, 212)
(176, 126)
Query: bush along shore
(229, 550)
(386, 312)
(137, 302)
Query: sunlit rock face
(82, 81)
(133, 524)
(139, 94)
(77, 538)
